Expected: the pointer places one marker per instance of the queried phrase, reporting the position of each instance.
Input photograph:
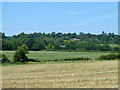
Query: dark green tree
(57, 46)
(20, 54)
(105, 47)
(29, 42)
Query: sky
(65, 17)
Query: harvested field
(93, 74)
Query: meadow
(68, 74)
(52, 55)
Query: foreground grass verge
(78, 74)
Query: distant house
(76, 39)
(62, 46)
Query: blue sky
(87, 17)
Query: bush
(69, 59)
(109, 57)
(116, 49)
(5, 59)
(76, 59)
(20, 54)
(20, 57)
(118, 55)
(105, 47)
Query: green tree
(6, 45)
(57, 46)
(20, 54)
(105, 47)
(29, 42)
(38, 46)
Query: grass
(114, 45)
(53, 55)
(81, 74)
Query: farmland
(52, 55)
(78, 74)
(99, 74)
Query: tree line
(61, 41)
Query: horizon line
(63, 33)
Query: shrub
(116, 48)
(5, 59)
(76, 59)
(20, 54)
(70, 59)
(105, 47)
(118, 55)
(109, 57)
(20, 57)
